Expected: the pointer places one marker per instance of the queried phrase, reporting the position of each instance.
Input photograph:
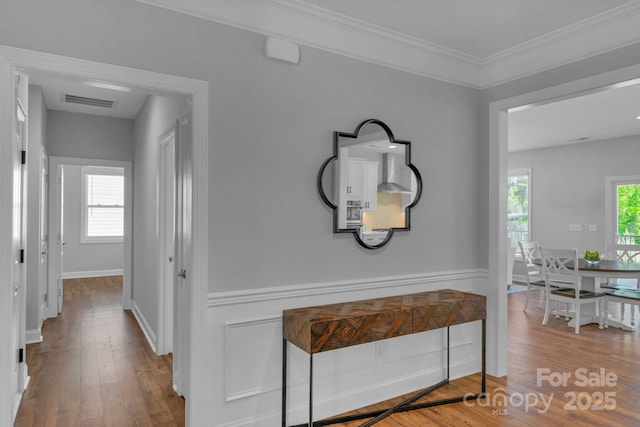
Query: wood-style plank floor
(95, 367)
(557, 349)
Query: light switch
(593, 227)
(575, 227)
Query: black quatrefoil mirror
(370, 184)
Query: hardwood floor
(95, 367)
(558, 350)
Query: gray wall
(90, 137)
(270, 137)
(271, 128)
(157, 116)
(568, 187)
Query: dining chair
(530, 251)
(563, 284)
(624, 253)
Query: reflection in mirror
(370, 183)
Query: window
(519, 202)
(102, 204)
(622, 213)
(629, 213)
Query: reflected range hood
(388, 176)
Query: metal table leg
(284, 383)
(311, 390)
(406, 405)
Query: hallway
(95, 367)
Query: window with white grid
(519, 206)
(102, 204)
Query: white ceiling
(479, 28)
(470, 42)
(611, 113)
(127, 101)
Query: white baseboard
(93, 273)
(33, 336)
(245, 344)
(144, 325)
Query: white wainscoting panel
(245, 374)
(245, 332)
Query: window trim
(84, 223)
(521, 172)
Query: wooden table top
(328, 327)
(610, 266)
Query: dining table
(595, 273)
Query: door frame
(166, 227)
(43, 238)
(498, 165)
(55, 224)
(198, 91)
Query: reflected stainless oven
(354, 213)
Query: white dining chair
(623, 253)
(530, 251)
(564, 284)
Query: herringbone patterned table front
(328, 327)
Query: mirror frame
(392, 140)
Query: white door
(60, 238)
(183, 256)
(18, 271)
(44, 236)
(168, 279)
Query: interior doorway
(498, 173)
(166, 247)
(67, 206)
(195, 305)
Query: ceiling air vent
(94, 102)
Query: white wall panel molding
(338, 287)
(321, 28)
(245, 340)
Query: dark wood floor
(554, 347)
(95, 367)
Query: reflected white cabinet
(363, 183)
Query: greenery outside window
(102, 194)
(519, 205)
(628, 207)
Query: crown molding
(320, 28)
(616, 28)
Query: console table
(333, 326)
